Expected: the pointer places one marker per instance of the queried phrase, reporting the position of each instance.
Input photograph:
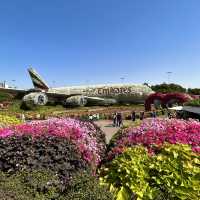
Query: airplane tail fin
(38, 82)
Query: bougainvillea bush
(171, 174)
(153, 133)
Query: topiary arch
(165, 99)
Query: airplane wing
(13, 91)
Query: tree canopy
(166, 88)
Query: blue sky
(76, 42)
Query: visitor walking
(141, 115)
(133, 116)
(115, 119)
(154, 114)
(119, 119)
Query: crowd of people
(117, 117)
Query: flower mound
(82, 134)
(153, 133)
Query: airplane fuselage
(122, 93)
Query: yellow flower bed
(8, 120)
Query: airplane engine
(35, 99)
(76, 101)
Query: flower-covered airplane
(105, 94)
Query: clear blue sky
(98, 41)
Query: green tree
(166, 88)
(195, 91)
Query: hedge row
(45, 185)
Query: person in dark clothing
(141, 115)
(119, 119)
(154, 114)
(133, 116)
(115, 119)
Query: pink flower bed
(80, 133)
(153, 133)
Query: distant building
(3, 85)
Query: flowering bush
(7, 121)
(51, 159)
(151, 98)
(82, 134)
(166, 99)
(154, 132)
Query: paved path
(107, 127)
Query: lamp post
(168, 76)
(122, 79)
(13, 83)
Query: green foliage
(84, 186)
(5, 97)
(194, 91)
(25, 185)
(167, 88)
(195, 103)
(50, 152)
(45, 185)
(177, 169)
(8, 120)
(173, 173)
(128, 174)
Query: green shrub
(194, 91)
(26, 185)
(173, 173)
(84, 186)
(5, 97)
(195, 103)
(176, 172)
(45, 185)
(50, 152)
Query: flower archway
(167, 99)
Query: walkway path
(107, 127)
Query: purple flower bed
(83, 134)
(153, 133)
